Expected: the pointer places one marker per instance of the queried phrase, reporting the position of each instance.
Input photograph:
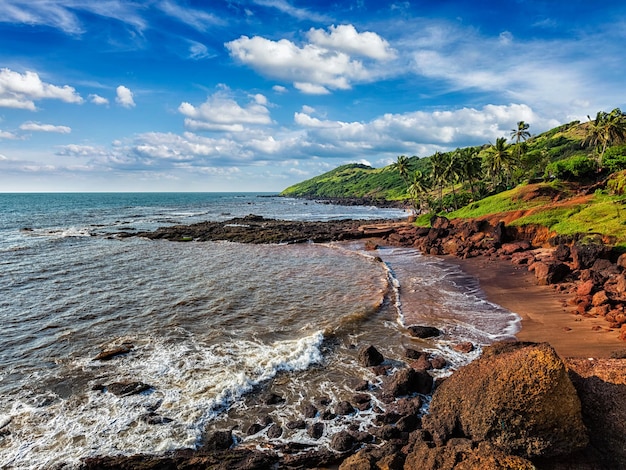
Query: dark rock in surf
(310, 411)
(405, 382)
(297, 424)
(115, 351)
(344, 408)
(219, 440)
(272, 399)
(275, 431)
(370, 356)
(343, 441)
(155, 419)
(316, 430)
(423, 332)
(125, 389)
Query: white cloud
(308, 109)
(75, 150)
(222, 113)
(323, 64)
(97, 99)
(198, 51)
(299, 13)
(124, 97)
(7, 135)
(22, 90)
(61, 14)
(347, 39)
(197, 19)
(37, 127)
(279, 89)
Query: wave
(190, 385)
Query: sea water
(212, 325)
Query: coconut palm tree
(403, 166)
(438, 166)
(418, 188)
(605, 130)
(498, 160)
(521, 133)
(469, 165)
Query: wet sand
(546, 316)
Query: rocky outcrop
(517, 397)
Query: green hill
(555, 166)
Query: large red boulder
(517, 397)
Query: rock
(438, 362)
(561, 252)
(344, 408)
(459, 454)
(514, 247)
(499, 233)
(272, 399)
(310, 411)
(423, 331)
(124, 389)
(254, 429)
(275, 431)
(550, 273)
(599, 298)
(583, 256)
(407, 381)
(517, 397)
(343, 441)
(316, 430)
(370, 356)
(585, 288)
(464, 347)
(219, 440)
(621, 261)
(155, 419)
(362, 386)
(297, 424)
(422, 363)
(414, 353)
(439, 222)
(359, 461)
(108, 354)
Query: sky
(256, 95)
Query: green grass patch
(603, 214)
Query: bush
(617, 183)
(573, 168)
(615, 159)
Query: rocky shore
(519, 406)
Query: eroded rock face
(517, 396)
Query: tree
(498, 160)
(438, 166)
(606, 129)
(469, 166)
(521, 133)
(418, 188)
(402, 165)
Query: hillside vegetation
(569, 179)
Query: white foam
(192, 384)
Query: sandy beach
(546, 315)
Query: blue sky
(255, 95)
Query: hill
(557, 179)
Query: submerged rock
(370, 356)
(418, 331)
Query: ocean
(213, 325)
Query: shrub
(615, 159)
(617, 183)
(573, 168)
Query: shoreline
(545, 313)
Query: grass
(604, 214)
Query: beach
(546, 314)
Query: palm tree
(402, 166)
(499, 160)
(604, 130)
(469, 165)
(521, 133)
(418, 187)
(438, 172)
